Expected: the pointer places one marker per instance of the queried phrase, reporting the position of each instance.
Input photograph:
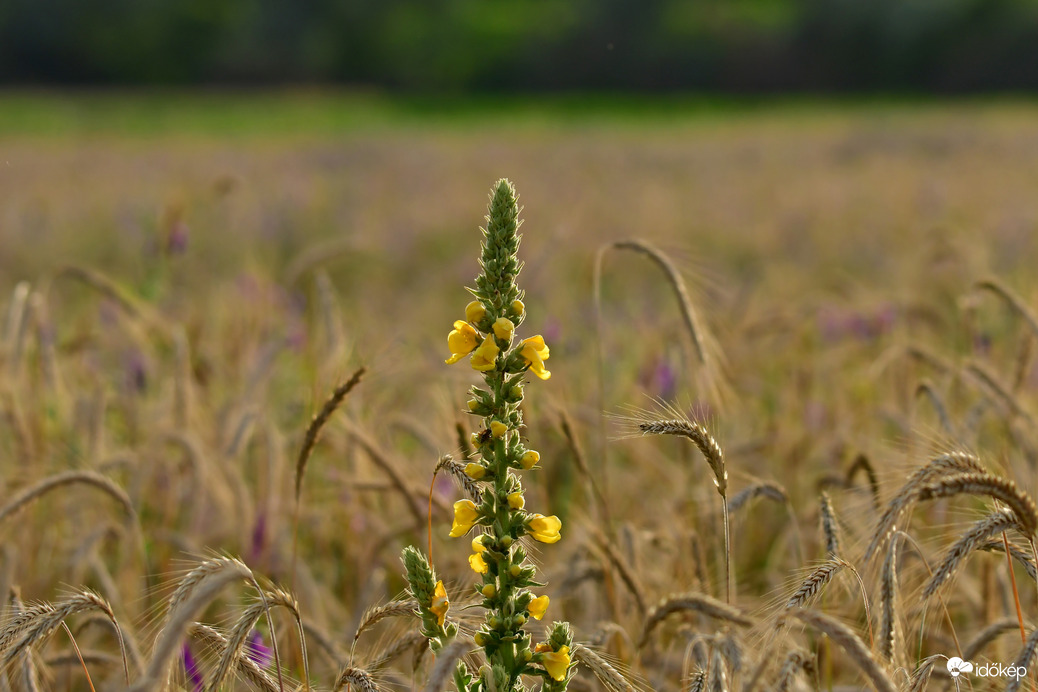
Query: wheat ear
(850, 643)
(606, 674)
(949, 463)
(246, 666)
(711, 451)
(995, 523)
(697, 602)
(1024, 659)
(239, 635)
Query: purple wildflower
(258, 652)
(191, 669)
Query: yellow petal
(484, 358)
(498, 429)
(529, 459)
(461, 341)
(544, 529)
(535, 352)
(440, 604)
(538, 607)
(556, 663)
(516, 501)
(474, 312)
(465, 515)
(503, 329)
(477, 563)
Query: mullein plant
(498, 517)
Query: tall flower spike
(498, 557)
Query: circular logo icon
(957, 666)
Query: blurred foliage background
(481, 45)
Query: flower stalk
(501, 521)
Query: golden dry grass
(833, 257)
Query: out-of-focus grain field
(178, 301)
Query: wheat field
(835, 307)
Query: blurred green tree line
(496, 45)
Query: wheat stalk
(951, 462)
(850, 643)
(696, 602)
(606, 674)
(246, 666)
(711, 451)
(995, 523)
(992, 486)
(889, 603)
(91, 478)
(816, 581)
(1024, 659)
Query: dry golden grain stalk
(34, 492)
(1000, 391)
(991, 486)
(767, 489)
(700, 438)
(410, 640)
(1013, 299)
(355, 676)
(889, 603)
(457, 472)
(1018, 554)
(943, 464)
(239, 634)
(921, 675)
(717, 676)
(195, 591)
(36, 623)
(816, 581)
(1024, 660)
(389, 610)
(245, 666)
(579, 459)
(851, 643)
(697, 681)
(796, 661)
(695, 602)
(926, 388)
(606, 673)
(627, 575)
(988, 635)
(318, 422)
(995, 523)
(396, 477)
(830, 528)
(446, 661)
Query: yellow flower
(556, 662)
(538, 607)
(440, 604)
(476, 561)
(484, 357)
(475, 471)
(503, 329)
(529, 458)
(488, 590)
(461, 341)
(465, 515)
(518, 309)
(474, 312)
(542, 528)
(516, 501)
(498, 429)
(535, 352)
